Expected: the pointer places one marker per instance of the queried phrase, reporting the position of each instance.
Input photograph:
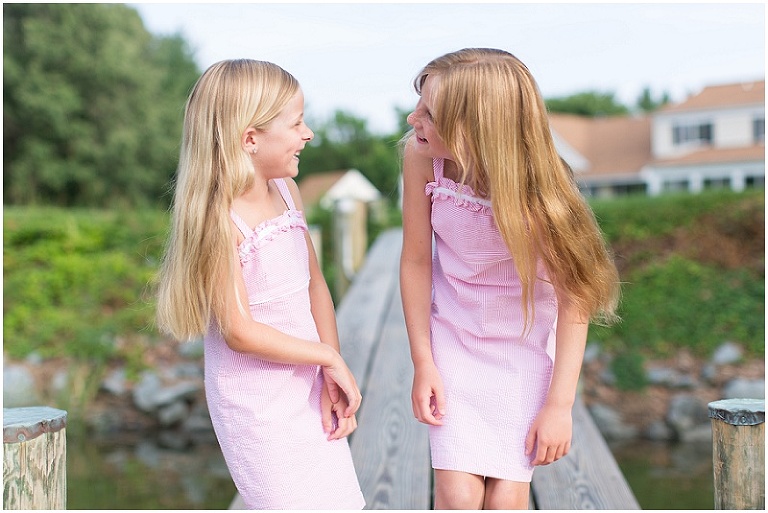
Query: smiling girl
(240, 270)
(518, 270)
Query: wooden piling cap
(738, 412)
(23, 424)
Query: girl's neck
(259, 192)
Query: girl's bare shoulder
(416, 165)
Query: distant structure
(714, 139)
(325, 189)
(353, 199)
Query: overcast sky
(362, 57)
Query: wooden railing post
(34, 458)
(738, 453)
(351, 240)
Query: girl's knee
(501, 494)
(458, 490)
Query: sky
(362, 57)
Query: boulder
(19, 387)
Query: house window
(758, 130)
(717, 183)
(755, 182)
(685, 134)
(675, 185)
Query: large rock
(19, 387)
(146, 390)
(116, 382)
(727, 353)
(610, 424)
(172, 413)
(166, 402)
(688, 417)
(744, 389)
(669, 377)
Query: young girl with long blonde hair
(241, 271)
(518, 271)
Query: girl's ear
(249, 141)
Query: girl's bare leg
(458, 490)
(503, 494)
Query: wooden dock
(391, 449)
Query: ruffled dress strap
(438, 166)
(462, 195)
(438, 169)
(241, 225)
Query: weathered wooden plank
(360, 314)
(390, 448)
(237, 503)
(34, 458)
(587, 478)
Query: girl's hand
(338, 379)
(550, 435)
(334, 423)
(427, 396)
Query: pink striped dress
(267, 415)
(495, 381)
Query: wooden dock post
(351, 241)
(34, 458)
(738, 453)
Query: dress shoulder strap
(241, 225)
(285, 193)
(437, 167)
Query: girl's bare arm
(416, 286)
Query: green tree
(92, 105)
(402, 120)
(591, 104)
(647, 103)
(344, 142)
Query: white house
(325, 189)
(352, 198)
(715, 138)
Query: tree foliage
(597, 104)
(590, 103)
(92, 105)
(344, 142)
(647, 103)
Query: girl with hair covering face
(498, 313)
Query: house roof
(722, 96)
(314, 186)
(326, 188)
(716, 156)
(611, 145)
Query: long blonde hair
(214, 169)
(489, 112)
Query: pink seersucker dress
(267, 415)
(495, 382)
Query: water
(145, 472)
(668, 475)
(161, 471)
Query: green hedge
(78, 282)
(678, 290)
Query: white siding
(731, 128)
